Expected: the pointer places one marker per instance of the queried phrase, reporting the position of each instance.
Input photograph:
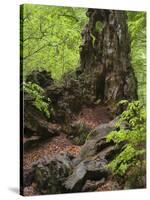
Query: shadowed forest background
(84, 92)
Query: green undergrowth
(39, 100)
(132, 135)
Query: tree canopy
(51, 38)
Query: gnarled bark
(105, 55)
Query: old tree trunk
(105, 56)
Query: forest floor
(92, 117)
(51, 147)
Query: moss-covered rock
(78, 132)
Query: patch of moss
(99, 26)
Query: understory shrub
(131, 131)
(39, 100)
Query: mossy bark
(105, 55)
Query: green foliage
(133, 137)
(50, 38)
(137, 29)
(36, 93)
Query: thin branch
(44, 46)
(70, 16)
(43, 32)
(36, 51)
